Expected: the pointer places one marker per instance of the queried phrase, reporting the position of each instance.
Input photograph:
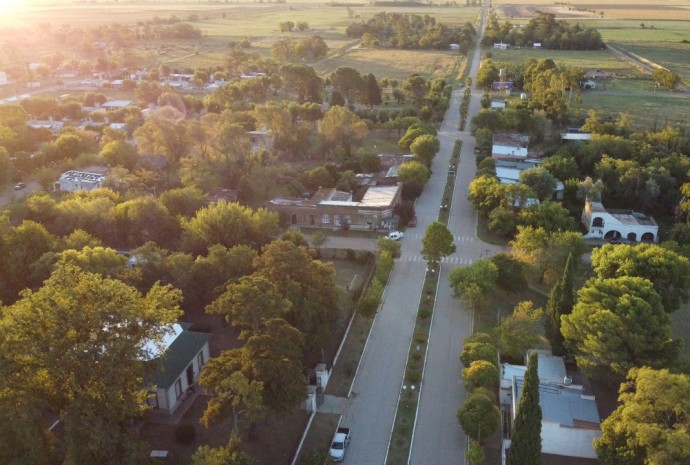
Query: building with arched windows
(618, 225)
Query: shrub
(480, 374)
(473, 351)
(424, 314)
(511, 272)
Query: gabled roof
(178, 356)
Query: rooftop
(628, 217)
(565, 405)
(512, 139)
(82, 176)
(178, 355)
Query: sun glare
(8, 7)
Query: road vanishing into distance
(370, 412)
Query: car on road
(341, 439)
(19, 186)
(395, 235)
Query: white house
(618, 224)
(570, 419)
(508, 172)
(509, 146)
(72, 181)
(180, 359)
(501, 46)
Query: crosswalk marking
(448, 260)
(455, 238)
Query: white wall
(167, 399)
(571, 442)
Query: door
(190, 375)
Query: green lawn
(671, 55)
(599, 59)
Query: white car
(395, 235)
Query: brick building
(330, 208)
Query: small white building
(510, 146)
(117, 104)
(618, 224)
(73, 181)
(570, 419)
(498, 103)
(501, 46)
(180, 357)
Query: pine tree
(525, 448)
(561, 302)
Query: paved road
(438, 437)
(371, 409)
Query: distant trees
(411, 31)
(342, 128)
(308, 49)
(545, 29)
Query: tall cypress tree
(561, 302)
(525, 448)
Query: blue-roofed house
(180, 357)
(570, 418)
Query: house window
(178, 388)
(336, 220)
(200, 359)
(598, 222)
(325, 219)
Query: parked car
(395, 235)
(412, 223)
(19, 186)
(340, 441)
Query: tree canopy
(667, 270)
(618, 324)
(652, 424)
(76, 346)
(437, 243)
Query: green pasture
(597, 59)
(674, 56)
(397, 64)
(645, 108)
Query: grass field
(603, 59)
(674, 56)
(587, 9)
(647, 109)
